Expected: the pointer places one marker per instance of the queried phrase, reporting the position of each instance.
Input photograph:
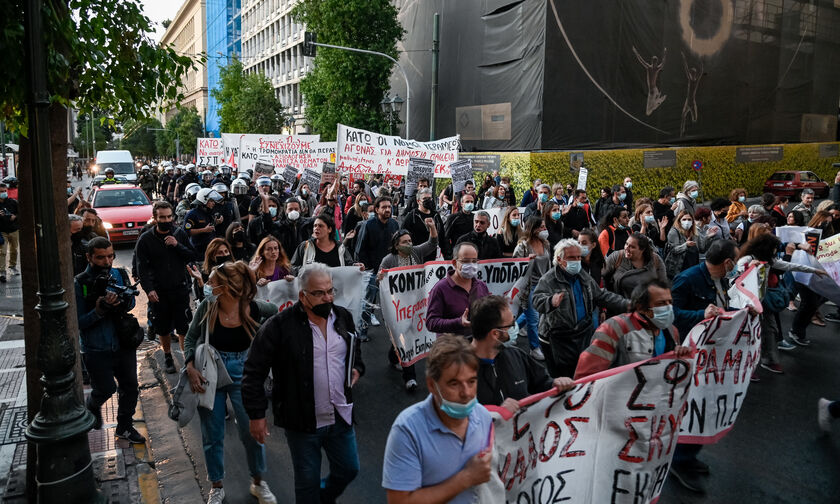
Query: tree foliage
(186, 124)
(99, 57)
(247, 103)
(103, 132)
(138, 139)
(346, 87)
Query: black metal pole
(65, 471)
(435, 65)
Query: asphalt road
(775, 453)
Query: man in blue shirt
(438, 450)
(98, 308)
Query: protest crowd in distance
(579, 343)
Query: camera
(105, 283)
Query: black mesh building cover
(554, 74)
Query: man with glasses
(506, 373)
(449, 300)
(315, 357)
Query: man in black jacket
(415, 220)
(9, 226)
(506, 373)
(488, 247)
(315, 358)
(372, 245)
(457, 225)
(163, 253)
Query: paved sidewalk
(125, 473)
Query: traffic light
(309, 40)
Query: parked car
(791, 183)
(124, 210)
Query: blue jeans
(339, 442)
(213, 423)
(531, 317)
(368, 304)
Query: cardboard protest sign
(263, 168)
(461, 174)
(404, 295)
(418, 168)
(828, 254)
(300, 151)
(210, 152)
(748, 289)
(800, 234)
(349, 283)
(361, 152)
(328, 173)
(609, 439)
(583, 174)
(312, 178)
(290, 174)
(728, 350)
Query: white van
(120, 160)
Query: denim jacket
(97, 331)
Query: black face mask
(428, 204)
(322, 310)
(87, 229)
(223, 259)
(99, 270)
(164, 227)
(239, 236)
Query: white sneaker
(13, 271)
(262, 493)
(217, 496)
(374, 321)
(823, 416)
(537, 354)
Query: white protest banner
(800, 234)
(608, 440)
(230, 148)
(349, 283)
(210, 152)
(728, 349)
(748, 289)
(404, 295)
(496, 217)
(825, 286)
(300, 151)
(583, 174)
(361, 152)
(461, 174)
(828, 254)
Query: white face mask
(686, 224)
(293, 215)
(543, 234)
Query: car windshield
(119, 168)
(120, 197)
(782, 176)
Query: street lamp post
(59, 430)
(392, 107)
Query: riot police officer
(200, 222)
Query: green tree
(345, 87)
(186, 125)
(103, 133)
(247, 103)
(138, 139)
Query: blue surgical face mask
(4, 195)
(515, 222)
(543, 197)
(742, 199)
(628, 185)
(573, 267)
(622, 196)
(672, 200)
(584, 250)
(579, 204)
(556, 215)
(208, 293)
(732, 274)
(69, 191)
(455, 409)
(650, 219)
(273, 211)
(663, 316)
(468, 207)
(694, 194)
(513, 333)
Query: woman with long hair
(329, 205)
(644, 222)
(321, 247)
(552, 216)
(496, 198)
(270, 261)
(636, 265)
(510, 231)
(217, 252)
(229, 317)
(684, 245)
(737, 206)
(535, 246)
(357, 213)
(240, 246)
(824, 221)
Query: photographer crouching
(110, 336)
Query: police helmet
(207, 194)
(263, 181)
(220, 188)
(239, 187)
